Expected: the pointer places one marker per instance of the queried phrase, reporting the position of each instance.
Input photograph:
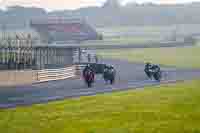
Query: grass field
(198, 43)
(129, 40)
(122, 41)
(161, 109)
(130, 35)
(125, 29)
(187, 57)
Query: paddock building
(44, 45)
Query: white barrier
(56, 74)
(80, 67)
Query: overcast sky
(73, 4)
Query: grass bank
(185, 57)
(122, 41)
(165, 109)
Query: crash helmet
(88, 65)
(148, 63)
(111, 67)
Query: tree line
(110, 14)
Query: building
(63, 30)
(44, 44)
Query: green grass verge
(187, 57)
(133, 40)
(122, 41)
(150, 29)
(161, 109)
(198, 43)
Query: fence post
(37, 75)
(77, 70)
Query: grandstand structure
(24, 52)
(63, 30)
(44, 45)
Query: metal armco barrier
(56, 74)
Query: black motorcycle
(88, 75)
(153, 71)
(109, 75)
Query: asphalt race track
(129, 76)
